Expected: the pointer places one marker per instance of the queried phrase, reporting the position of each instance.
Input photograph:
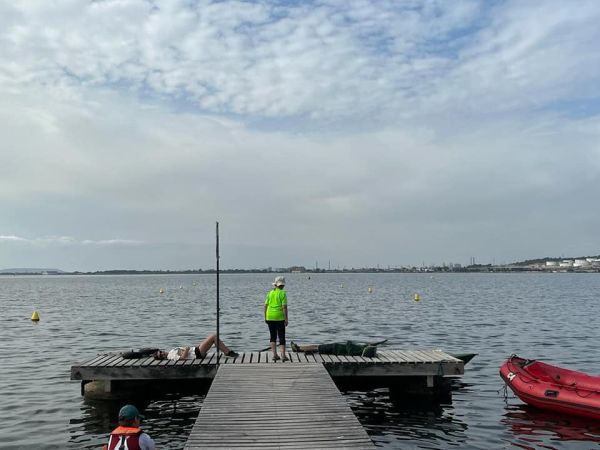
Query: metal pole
(218, 339)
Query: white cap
(279, 281)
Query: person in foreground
(276, 316)
(129, 435)
(348, 348)
(198, 351)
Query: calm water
(545, 316)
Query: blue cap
(129, 412)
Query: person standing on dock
(129, 435)
(276, 316)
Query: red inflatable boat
(553, 388)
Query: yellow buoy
(417, 297)
(370, 290)
(35, 316)
(161, 291)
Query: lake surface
(553, 317)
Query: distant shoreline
(422, 270)
(582, 264)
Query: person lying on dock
(348, 348)
(198, 351)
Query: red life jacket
(124, 438)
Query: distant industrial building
(578, 264)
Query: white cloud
(327, 60)
(69, 241)
(12, 238)
(311, 124)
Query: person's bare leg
(281, 336)
(223, 347)
(274, 350)
(207, 343)
(309, 348)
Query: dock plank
(425, 356)
(302, 397)
(387, 363)
(95, 361)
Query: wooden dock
(276, 406)
(254, 402)
(389, 363)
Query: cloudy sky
(348, 133)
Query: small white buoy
(342, 285)
(161, 291)
(35, 317)
(370, 290)
(180, 287)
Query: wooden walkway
(112, 367)
(276, 406)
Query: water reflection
(494, 314)
(392, 425)
(542, 429)
(168, 419)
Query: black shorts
(277, 329)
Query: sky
(328, 133)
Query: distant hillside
(31, 271)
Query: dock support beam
(419, 390)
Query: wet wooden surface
(276, 406)
(386, 363)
